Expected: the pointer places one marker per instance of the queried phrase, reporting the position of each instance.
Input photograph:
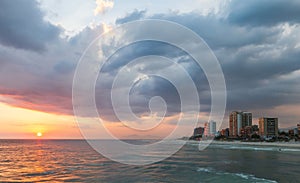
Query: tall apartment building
(246, 119)
(268, 127)
(237, 121)
(210, 128)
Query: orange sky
(24, 123)
(19, 123)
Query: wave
(263, 148)
(208, 170)
(233, 176)
(254, 148)
(248, 147)
(252, 177)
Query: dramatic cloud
(259, 56)
(264, 12)
(103, 6)
(254, 60)
(22, 26)
(146, 88)
(43, 82)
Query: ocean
(76, 161)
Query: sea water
(76, 161)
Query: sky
(257, 44)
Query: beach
(277, 144)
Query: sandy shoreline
(277, 144)
(274, 144)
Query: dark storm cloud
(155, 86)
(264, 12)
(254, 59)
(22, 26)
(43, 82)
(245, 67)
(136, 50)
(220, 33)
(145, 89)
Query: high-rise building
(210, 128)
(206, 129)
(268, 127)
(233, 121)
(237, 121)
(246, 119)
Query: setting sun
(39, 134)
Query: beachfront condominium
(237, 121)
(210, 128)
(268, 127)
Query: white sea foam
(244, 176)
(208, 170)
(251, 146)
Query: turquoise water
(75, 161)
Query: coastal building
(291, 132)
(237, 121)
(210, 128)
(225, 132)
(234, 119)
(246, 131)
(206, 129)
(296, 131)
(268, 127)
(198, 131)
(246, 119)
(255, 129)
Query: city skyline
(245, 119)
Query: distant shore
(277, 144)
